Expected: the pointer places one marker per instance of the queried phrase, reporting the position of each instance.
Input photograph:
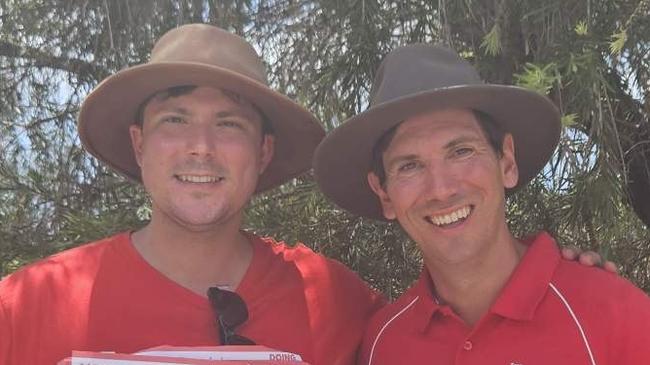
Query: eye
(408, 166)
(173, 119)
(229, 124)
(462, 152)
(405, 169)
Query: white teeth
(198, 179)
(455, 216)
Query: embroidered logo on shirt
(516, 363)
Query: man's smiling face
(445, 184)
(201, 154)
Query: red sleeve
(631, 334)
(371, 333)
(364, 350)
(5, 331)
(351, 305)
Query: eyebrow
(220, 115)
(230, 113)
(460, 140)
(175, 109)
(449, 145)
(396, 160)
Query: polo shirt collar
(530, 280)
(520, 297)
(427, 304)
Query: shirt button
(467, 345)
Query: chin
(200, 218)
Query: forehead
(436, 127)
(200, 97)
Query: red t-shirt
(104, 296)
(551, 311)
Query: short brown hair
(175, 91)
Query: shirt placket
(469, 350)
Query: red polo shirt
(551, 311)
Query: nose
(200, 140)
(441, 182)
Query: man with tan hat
(438, 150)
(199, 127)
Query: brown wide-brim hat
(201, 55)
(416, 79)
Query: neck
(195, 258)
(470, 287)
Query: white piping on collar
(577, 322)
(372, 350)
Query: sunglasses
(231, 312)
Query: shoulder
(62, 267)
(594, 295)
(297, 252)
(393, 311)
(594, 283)
(390, 321)
(306, 260)
(393, 314)
(613, 313)
(590, 288)
(321, 275)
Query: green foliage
(582, 28)
(618, 42)
(569, 120)
(492, 41)
(538, 79)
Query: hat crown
(417, 68)
(211, 46)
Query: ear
(135, 132)
(384, 199)
(509, 170)
(267, 150)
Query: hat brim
(343, 159)
(111, 107)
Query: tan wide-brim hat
(201, 55)
(415, 79)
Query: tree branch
(83, 69)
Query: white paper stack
(171, 355)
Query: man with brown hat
(199, 127)
(438, 150)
